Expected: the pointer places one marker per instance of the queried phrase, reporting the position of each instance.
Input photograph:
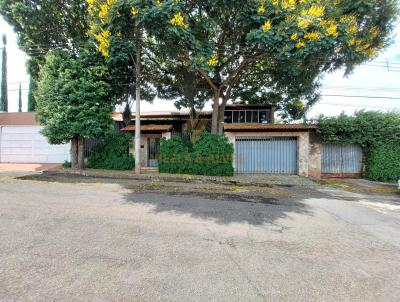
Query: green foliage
(31, 97)
(211, 155)
(383, 163)
(113, 154)
(73, 99)
(377, 132)
(366, 128)
(67, 164)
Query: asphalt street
(106, 242)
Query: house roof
(18, 119)
(268, 127)
(148, 128)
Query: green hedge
(211, 155)
(113, 154)
(383, 163)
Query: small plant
(67, 164)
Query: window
(228, 117)
(263, 117)
(247, 116)
(235, 117)
(242, 116)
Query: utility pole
(4, 86)
(19, 98)
(138, 139)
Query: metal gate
(153, 152)
(342, 160)
(268, 155)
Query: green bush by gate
(211, 155)
(113, 153)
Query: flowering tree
(224, 40)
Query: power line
(361, 96)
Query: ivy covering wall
(377, 132)
(210, 155)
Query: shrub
(175, 156)
(210, 155)
(67, 164)
(213, 155)
(113, 154)
(383, 163)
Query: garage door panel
(266, 155)
(28, 145)
(16, 151)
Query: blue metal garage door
(266, 155)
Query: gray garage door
(341, 159)
(266, 155)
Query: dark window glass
(263, 117)
(228, 117)
(254, 117)
(248, 116)
(235, 116)
(242, 116)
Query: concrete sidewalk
(8, 167)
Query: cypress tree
(4, 88)
(31, 97)
(20, 98)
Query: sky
(380, 78)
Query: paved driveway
(9, 167)
(109, 242)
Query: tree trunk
(81, 153)
(215, 114)
(221, 116)
(74, 153)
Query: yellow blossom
(261, 10)
(267, 26)
(304, 23)
(300, 44)
(312, 36)
(294, 37)
(332, 31)
(179, 21)
(288, 4)
(213, 61)
(134, 10)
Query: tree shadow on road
(221, 208)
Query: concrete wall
(309, 154)
(144, 146)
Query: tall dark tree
(20, 98)
(31, 97)
(73, 100)
(4, 86)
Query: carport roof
(268, 127)
(18, 119)
(149, 128)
